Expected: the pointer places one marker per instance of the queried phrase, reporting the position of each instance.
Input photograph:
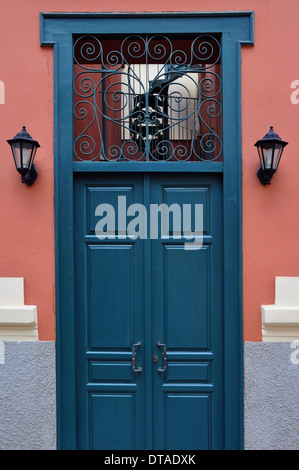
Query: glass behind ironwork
(147, 98)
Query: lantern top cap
(23, 135)
(271, 136)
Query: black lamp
(24, 149)
(270, 149)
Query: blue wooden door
(111, 294)
(149, 317)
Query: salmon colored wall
(271, 215)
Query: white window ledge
(18, 322)
(280, 322)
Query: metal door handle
(162, 345)
(139, 370)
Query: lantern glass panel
(27, 153)
(260, 152)
(268, 158)
(16, 148)
(277, 154)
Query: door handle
(162, 345)
(139, 370)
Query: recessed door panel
(197, 372)
(109, 195)
(112, 421)
(110, 371)
(186, 299)
(111, 296)
(188, 421)
(186, 198)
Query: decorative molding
(280, 321)
(18, 322)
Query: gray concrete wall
(27, 396)
(271, 394)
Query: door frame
(236, 28)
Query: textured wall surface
(268, 213)
(271, 409)
(27, 396)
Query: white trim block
(280, 322)
(18, 322)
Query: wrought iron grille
(147, 98)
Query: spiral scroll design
(147, 98)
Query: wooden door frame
(236, 29)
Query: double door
(149, 311)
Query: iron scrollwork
(151, 98)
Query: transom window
(147, 98)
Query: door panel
(186, 303)
(187, 313)
(187, 421)
(109, 302)
(105, 195)
(112, 418)
(111, 323)
(184, 288)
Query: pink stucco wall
(271, 219)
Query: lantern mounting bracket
(265, 176)
(30, 177)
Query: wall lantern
(270, 149)
(24, 149)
